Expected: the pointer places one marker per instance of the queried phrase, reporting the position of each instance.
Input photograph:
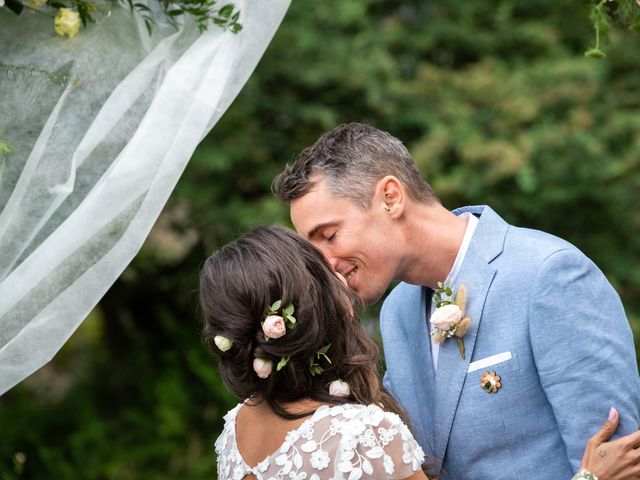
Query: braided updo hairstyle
(240, 281)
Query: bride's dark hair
(240, 281)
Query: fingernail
(613, 415)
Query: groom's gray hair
(353, 157)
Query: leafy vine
(607, 13)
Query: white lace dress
(340, 442)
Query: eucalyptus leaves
(70, 15)
(314, 366)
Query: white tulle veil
(100, 128)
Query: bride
(289, 341)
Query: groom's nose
(330, 258)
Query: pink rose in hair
(262, 367)
(274, 327)
(339, 388)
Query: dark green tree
(496, 102)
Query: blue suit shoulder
(540, 245)
(539, 248)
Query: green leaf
(323, 353)
(290, 322)
(147, 24)
(595, 53)
(281, 364)
(276, 306)
(289, 310)
(226, 11)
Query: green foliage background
(496, 102)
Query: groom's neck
(432, 240)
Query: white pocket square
(489, 361)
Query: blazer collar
(488, 239)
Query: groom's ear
(390, 196)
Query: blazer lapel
(476, 275)
(419, 399)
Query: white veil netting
(100, 128)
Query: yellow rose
(223, 343)
(67, 22)
(35, 4)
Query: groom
(542, 317)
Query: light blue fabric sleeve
(583, 349)
(386, 381)
(386, 378)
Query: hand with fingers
(615, 460)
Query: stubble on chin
(371, 297)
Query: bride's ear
(390, 195)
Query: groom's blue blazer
(572, 358)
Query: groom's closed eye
(319, 231)
(329, 237)
(326, 234)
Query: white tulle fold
(95, 160)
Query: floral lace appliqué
(341, 442)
